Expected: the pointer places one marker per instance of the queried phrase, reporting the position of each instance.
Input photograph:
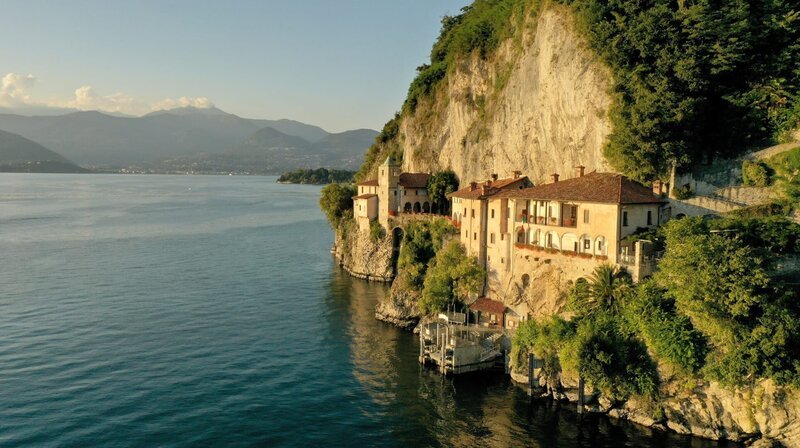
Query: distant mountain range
(18, 154)
(179, 139)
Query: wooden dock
(456, 348)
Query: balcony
(570, 222)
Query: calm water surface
(206, 310)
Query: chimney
(554, 176)
(473, 186)
(517, 174)
(494, 177)
(579, 170)
(484, 190)
(657, 187)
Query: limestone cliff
(362, 257)
(539, 105)
(763, 411)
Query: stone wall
(549, 277)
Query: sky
(338, 64)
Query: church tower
(388, 179)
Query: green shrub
(336, 201)
(421, 241)
(683, 193)
(545, 339)
(439, 186)
(721, 283)
(452, 276)
(669, 335)
(755, 174)
(610, 358)
(376, 231)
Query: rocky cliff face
(361, 257)
(540, 105)
(763, 412)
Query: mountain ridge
(19, 154)
(98, 139)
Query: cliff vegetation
(719, 309)
(689, 81)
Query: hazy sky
(340, 64)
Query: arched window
(407, 207)
(600, 246)
(585, 244)
(570, 242)
(417, 207)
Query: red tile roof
(610, 188)
(414, 180)
(494, 188)
(365, 196)
(368, 183)
(487, 305)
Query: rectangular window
(649, 218)
(475, 236)
(502, 236)
(465, 212)
(395, 192)
(491, 238)
(502, 261)
(492, 213)
(405, 192)
(587, 244)
(624, 219)
(586, 216)
(488, 258)
(472, 215)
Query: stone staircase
(714, 197)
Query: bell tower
(388, 178)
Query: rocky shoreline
(763, 415)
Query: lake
(207, 310)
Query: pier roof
(487, 305)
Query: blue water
(206, 310)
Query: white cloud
(87, 99)
(14, 94)
(13, 89)
(184, 101)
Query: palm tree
(606, 287)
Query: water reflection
(419, 407)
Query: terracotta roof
(610, 188)
(487, 305)
(368, 183)
(414, 180)
(365, 196)
(494, 188)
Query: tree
(452, 277)
(607, 286)
(722, 284)
(337, 201)
(439, 186)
